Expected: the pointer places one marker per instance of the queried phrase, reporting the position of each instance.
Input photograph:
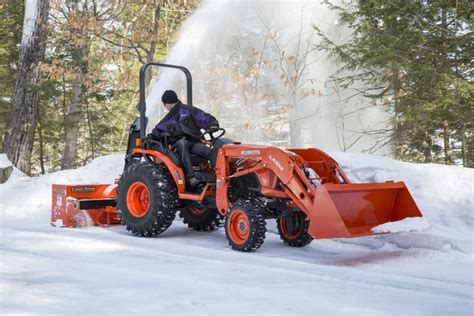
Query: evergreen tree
(416, 56)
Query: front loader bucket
(352, 210)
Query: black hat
(169, 97)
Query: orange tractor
(305, 190)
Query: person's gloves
(213, 128)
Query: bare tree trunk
(91, 131)
(447, 147)
(465, 161)
(41, 144)
(5, 173)
(73, 117)
(429, 145)
(446, 66)
(64, 103)
(295, 133)
(20, 129)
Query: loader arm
(285, 165)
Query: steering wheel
(212, 134)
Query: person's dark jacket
(183, 121)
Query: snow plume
(29, 21)
(255, 66)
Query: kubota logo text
(276, 162)
(250, 152)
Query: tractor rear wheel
(201, 218)
(293, 229)
(245, 226)
(147, 199)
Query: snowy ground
(97, 270)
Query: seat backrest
(174, 158)
(215, 149)
(133, 135)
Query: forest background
(68, 88)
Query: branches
(116, 37)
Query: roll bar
(142, 102)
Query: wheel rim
(197, 210)
(138, 199)
(292, 234)
(238, 227)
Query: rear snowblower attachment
(84, 205)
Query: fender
(176, 172)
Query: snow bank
(25, 197)
(4, 162)
(444, 194)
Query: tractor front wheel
(245, 226)
(293, 229)
(147, 199)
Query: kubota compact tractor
(305, 190)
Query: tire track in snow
(140, 248)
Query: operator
(184, 123)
